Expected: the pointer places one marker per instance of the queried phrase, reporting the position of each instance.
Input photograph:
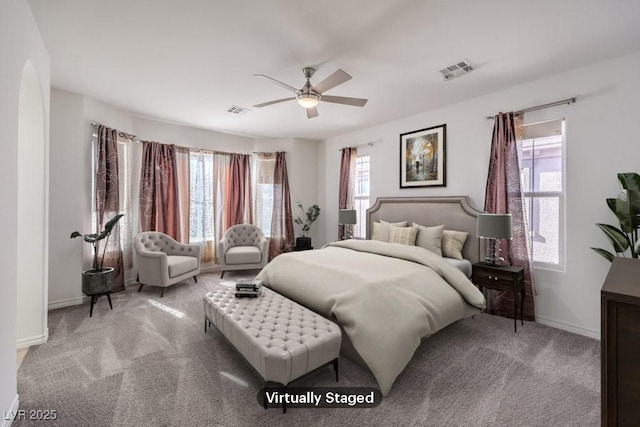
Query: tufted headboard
(456, 213)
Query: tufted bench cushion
(281, 339)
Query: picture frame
(423, 158)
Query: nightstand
(502, 278)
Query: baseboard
(37, 340)
(9, 415)
(210, 269)
(66, 303)
(568, 327)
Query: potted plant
(310, 215)
(99, 279)
(626, 209)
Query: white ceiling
(188, 61)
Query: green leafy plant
(308, 217)
(626, 209)
(94, 238)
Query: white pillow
(430, 238)
(382, 229)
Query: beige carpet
(149, 363)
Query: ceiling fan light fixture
(308, 99)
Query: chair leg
(222, 274)
(195, 278)
(140, 287)
(109, 298)
(161, 292)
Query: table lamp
(347, 217)
(493, 227)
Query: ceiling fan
(309, 96)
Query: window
(263, 173)
(361, 197)
(541, 154)
(201, 196)
(125, 186)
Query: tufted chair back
(243, 235)
(154, 241)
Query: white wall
(169, 133)
(66, 198)
(32, 213)
(601, 141)
(21, 42)
(302, 173)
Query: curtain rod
(370, 144)
(120, 133)
(135, 139)
(543, 106)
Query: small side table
(94, 298)
(502, 278)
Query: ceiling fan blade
(356, 102)
(335, 79)
(312, 112)
(277, 101)
(278, 82)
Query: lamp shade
(308, 99)
(347, 217)
(494, 226)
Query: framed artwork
(422, 157)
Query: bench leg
(270, 384)
(335, 367)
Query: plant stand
(95, 297)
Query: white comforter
(386, 296)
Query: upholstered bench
(281, 339)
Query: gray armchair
(243, 247)
(163, 262)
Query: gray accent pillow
(430, 238)
(452, 243)
(382, 229)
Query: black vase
(96, 282)
(303, 243)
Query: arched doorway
(32, 213)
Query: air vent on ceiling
(456, 70)
(234, 109)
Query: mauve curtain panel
(504, 195)
(238, 194)
(107, 200)
(159, 208)
(346, 190)
(282, 237)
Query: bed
(386, 297)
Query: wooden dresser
(620, 331)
